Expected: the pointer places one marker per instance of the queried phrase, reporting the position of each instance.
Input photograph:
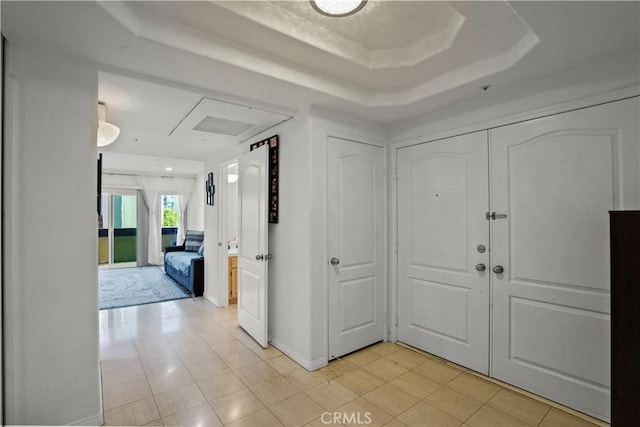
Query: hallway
(186, 362)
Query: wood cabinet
(625, 317)
(233, 279)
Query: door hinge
(396, 174)
(396, 319)
(397, 246)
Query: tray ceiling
(392, 62)
(390, 53)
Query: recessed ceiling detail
(389, 46)
(389, 53)
(219, 126)
(228, 122)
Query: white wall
(212, 250)
(1, 210)
(289, 240)
(290, 244)
(50, 287)
(557, 92)
(195, 208)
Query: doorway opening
(118, 233)
(228, 233)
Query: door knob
(259, 257)
(481, 267)
(334, 261)
(498, 269)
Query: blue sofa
(186, 265)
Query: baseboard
(309, 365)
(212, 300)
(319, 363)
(95, 420)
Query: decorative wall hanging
(210, 189)
(273, 174)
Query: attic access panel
(225, 121)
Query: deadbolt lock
(482, 249)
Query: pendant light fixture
(337, 8)
(107, 132)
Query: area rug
(124, 287)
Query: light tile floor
(186, 363)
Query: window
(170, 219)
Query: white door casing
(556, 178)
(443, 300)
(356, 230)
(253, 244)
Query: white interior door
(443, 300)
(556, 178)
(356, 225)
(253, 244)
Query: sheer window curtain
(151, 186)
(183, 189)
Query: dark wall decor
(99, 184)
(273, 174)
(210, 189)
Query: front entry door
(556, 179)
(356, 224)
(253, 244)
(443, 242)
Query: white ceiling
(392, 61)
(149, 165)
(160, 120)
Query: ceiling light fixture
(337, 8)
(231, 178)
(168, 168)
(107, 132)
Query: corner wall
(195, 208)
(289, 240)
(50, 277)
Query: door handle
(498, 269)
(259, 257)
(481, 267)
(334, 261)
(494, 216)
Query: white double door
(356, 224)
(540, 321)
